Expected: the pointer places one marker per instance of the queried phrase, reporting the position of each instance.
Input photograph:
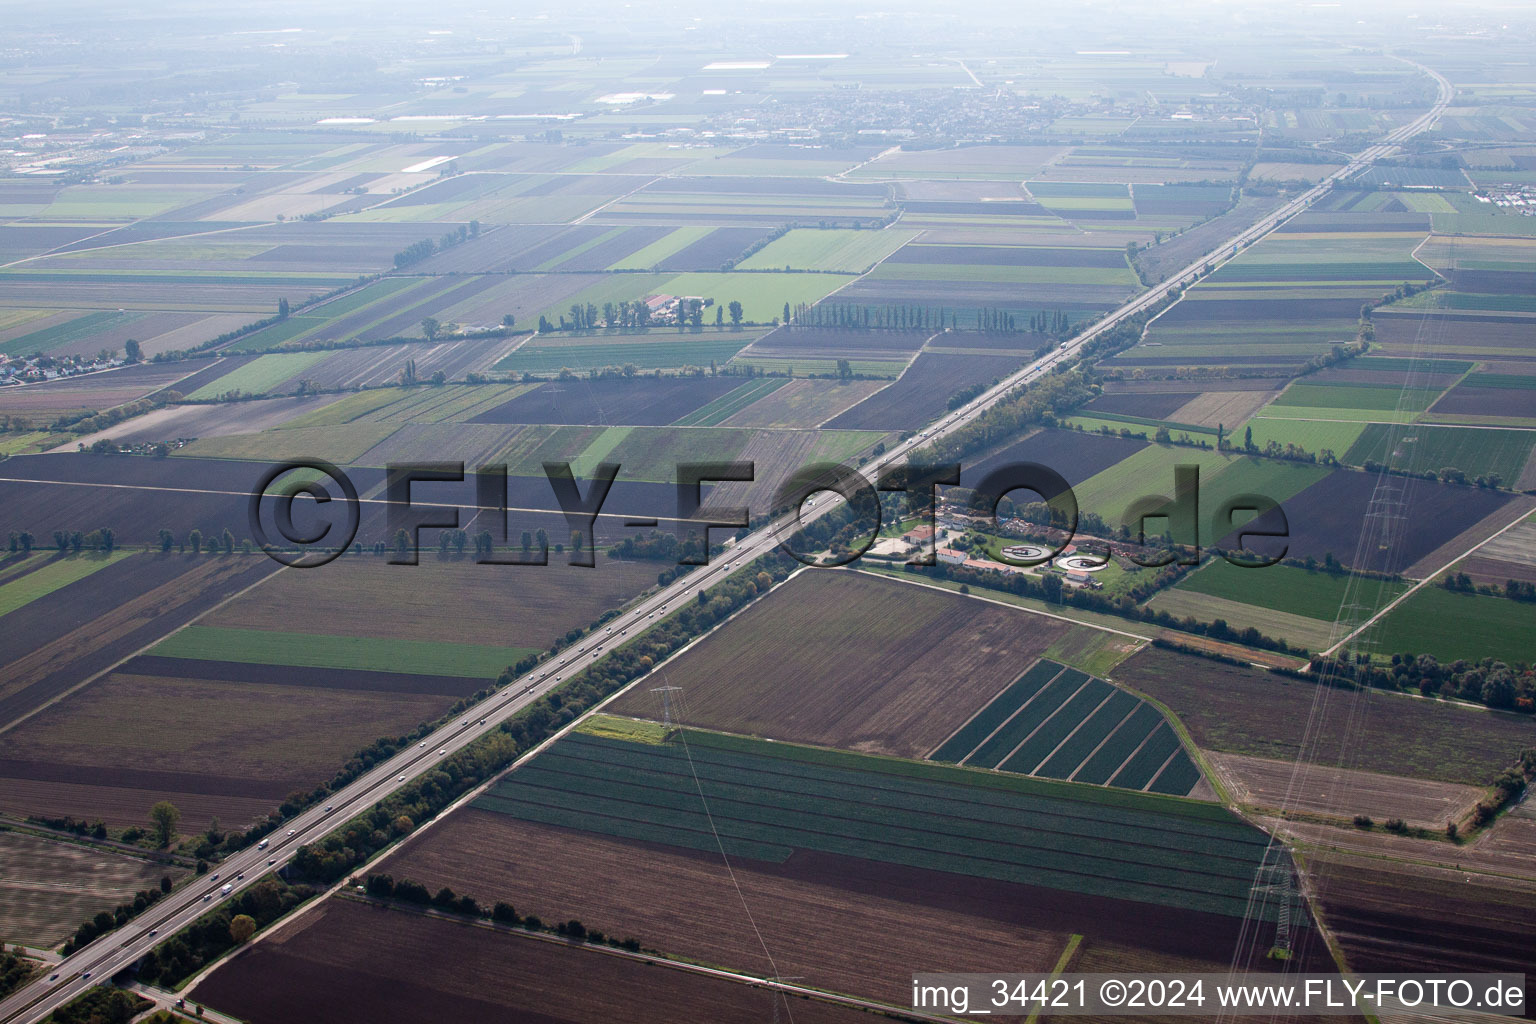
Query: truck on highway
(229, 887)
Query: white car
(440, 753)
(400, 779)
(293, 831)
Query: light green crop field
(1312, 435)
(1148, 472)
(261, 374)
(51, 576)
(762, 295)
(1298, 630)
(668, 245)
(1450, 626)
(1365, 398)
(1420, 448)
(812, 249)
(1295, 591)
(311, 650)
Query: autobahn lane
(112, 952)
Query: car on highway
(400, 779)
(87, 974)
(271, 861)
(293, 831)
(327, 808)
(440, 753)
(53, 977)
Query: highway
(111, 953)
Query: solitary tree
(508, 320)
(282, 309)
(241, 928)
(430, 327)
(165, 818)
(195, 541)
(735, 309)
(132, 351)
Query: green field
(260, 375)
(1147, 472)
(669, 244)
(50, 576)
(762, 296)
(311, 650)
(1363, 398)
(1315, 436)
(767, 800)
(833, 250)
(1450, 626)
(1314, 595)
(1420, 448)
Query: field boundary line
(1067, 953)
(1427, 580)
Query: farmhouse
(949, 556)
(918, 535)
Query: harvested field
(462, 601)
(1496, 571)
(1298, 786)
(1397, 918)
(350, 962)
(1076, 455)
(65, 637)
(1153, 405)
(94, 391)
(1227, 408)
(48, 886)
(193, 421)
(1239, 710)
(208, 738)
(1329, 517)
(1470, 400)
(923, 662)
(803, 403)
(872, 920)
(644, 401)
(922, 393)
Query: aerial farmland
(624, 512)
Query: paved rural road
(111, 953)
